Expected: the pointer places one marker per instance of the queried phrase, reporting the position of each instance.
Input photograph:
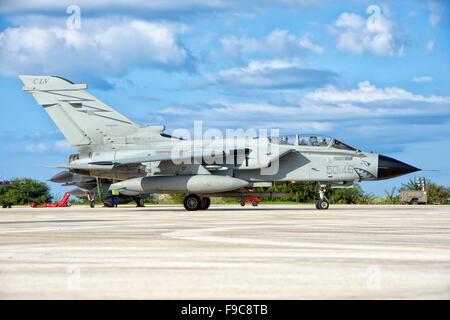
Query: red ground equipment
(63, 203)
(250, 200)
(254, 201)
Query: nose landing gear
(323, 203)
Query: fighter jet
(144, 159)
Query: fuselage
(264, 161)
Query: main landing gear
(91, 200)
(140, 202)
(193, 202)
(323, 203)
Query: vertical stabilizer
(84, 120)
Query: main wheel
(205, 203)
(317, 204)
(254, 203)
(323, 204)
(192, 202)
(92, 204)
(140, 202)
(243, 202)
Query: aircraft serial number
(40, 80)
(339, 169)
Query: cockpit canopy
(312, 141)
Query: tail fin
(84, 120)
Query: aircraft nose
(62, 177)
(390, 168)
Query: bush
(178, 197)
(27, 191)
(392, 197)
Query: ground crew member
(115, 198)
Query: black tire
(243, 202)
(92, 204)
(254, 203)
(192, 202)
(323, 204)
(140, 202)
(317, 204)
(414, 202)
(206, 202)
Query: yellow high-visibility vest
(115, 192)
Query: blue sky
(373, 74)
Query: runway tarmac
(226, 252)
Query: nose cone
(62, 177)
(390, 168)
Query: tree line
(307, 192)
(26, 191)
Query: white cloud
(434, 19)
(350, 20)
(366, 93)
(305, 42)
(387, 114)
(59, 146)
(101, 46)
(36, 148)
(223, 114)
(313, 115)
(437, 10)
(62, 146)
(268, 74)
(279, 42)
(430, 46)
(377, 35)
(422, 79)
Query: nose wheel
(323, 203)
